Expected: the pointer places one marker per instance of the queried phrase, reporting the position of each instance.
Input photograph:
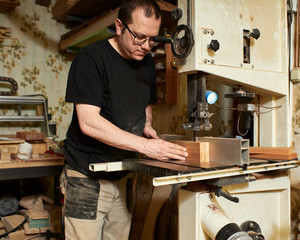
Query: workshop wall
(33, 60)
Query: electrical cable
(270, 109)
(225, 108)
(238, 126)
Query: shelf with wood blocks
(166, 77)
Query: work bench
(43, 167)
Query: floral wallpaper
(32, 59)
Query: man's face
(142, 27)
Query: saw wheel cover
(182, 45)
(14, 86)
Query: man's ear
(119, 26)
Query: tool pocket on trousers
(82, 198)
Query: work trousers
(94, 209)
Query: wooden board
(272, 150)
(198, 151)
(31, 136)
(273, 153)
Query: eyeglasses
(141, 40)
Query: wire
(238, 126)
(270, 108)
(225, 108)
(273, 108)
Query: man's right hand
(163, 150)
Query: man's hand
(163, 150)
(149, 132)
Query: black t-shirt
(122, 88)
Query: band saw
(230, 195)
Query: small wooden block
(18, 235)
(198, 151)
(31, 136)
(5, 154)
(12, 221)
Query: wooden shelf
(168, 83)
(8, 5)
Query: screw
(212, 32)
(205, 60)
(205, 31)
(212, 61)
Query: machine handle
(162, 39)
(219, 192)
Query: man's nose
(146, 45)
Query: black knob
(255, 33)
(176, 14)
(214, 45)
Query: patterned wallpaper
(34, 62)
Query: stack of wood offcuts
(41, 217)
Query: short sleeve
(85, 80)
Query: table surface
(45, 166)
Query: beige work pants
(94, 209)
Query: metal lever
(219, 192)
(162, 39)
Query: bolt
(212, 61)
(189, 177)
(179, 178)
(205, 60)
(205, 31)
(212, 32)
(210, 196)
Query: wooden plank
(31, 135)
(89, 27)
(144, 190)
(159, 196)
(272, 150)
(273, 153)
(94, 25)
(198, 151)
(269, 156)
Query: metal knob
(214, 45)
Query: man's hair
(150, 8)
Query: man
(112, 85)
